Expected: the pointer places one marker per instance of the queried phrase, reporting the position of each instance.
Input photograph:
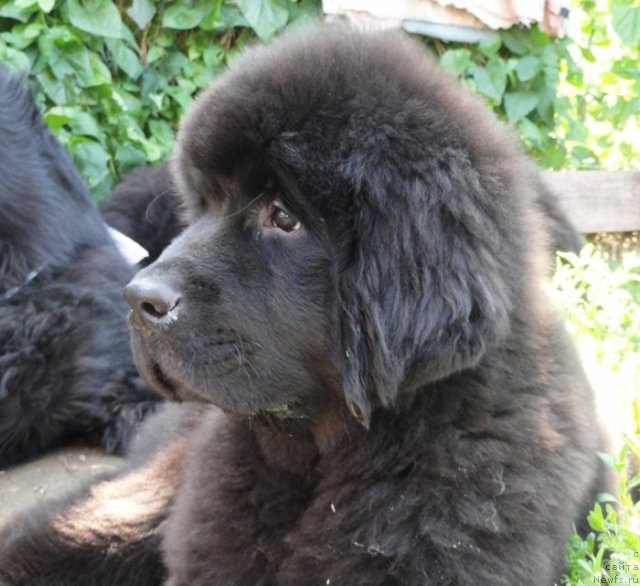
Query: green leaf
(97, 74)
(200, 75)
(184, 16)
(57, 117)
(226, 17)
(172, 64)
(212, 18)
(127, 102)
(10, 10)
(91, 159)
(528, 67)
(491, 80)
(588, 54)
(80, 122)
(128, 157)
(551, 68)
(537, 38)
(155, 53)
(162, 131)
(302, 12)
(55, 89)
(606, 497)
(151, 84)
(516, 40)
(518, 104)
(83, 124)
(266, 17)
(22, 35)
(183, 94)
(67, 56)
(98, 17)
(125, 58)
(213, 56)
(626, 22)
(455, 61)
(608, 460)
(491, 46)
(141, 12)
(13, 58)
(626, 68)
(46, 5)
(596, 519)
(584, 156)
(530, 131)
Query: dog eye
(284, 220)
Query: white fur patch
(130, 249)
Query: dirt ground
(48, 477)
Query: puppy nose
(154, 299)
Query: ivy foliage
(574, 101)
(114, 77)
(518, 73)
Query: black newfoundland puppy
(65, 365)
(396, 402)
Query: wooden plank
(598, 201)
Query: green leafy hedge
(518, 73)
(114, 77)
(574, 101)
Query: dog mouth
(159, 377)
(153, 372)
(162, 383)
(172, 391)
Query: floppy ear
(425, 291)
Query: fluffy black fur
(145, 208)
(357, 292)
(562, 235)
(65, 365)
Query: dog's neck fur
(295, 445)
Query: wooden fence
(599, 201)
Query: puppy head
(357, 220)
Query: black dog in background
(145, 208)
(65, 363)
(562, 235)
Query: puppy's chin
(157, 377)
(152, 371)
(174, 390)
